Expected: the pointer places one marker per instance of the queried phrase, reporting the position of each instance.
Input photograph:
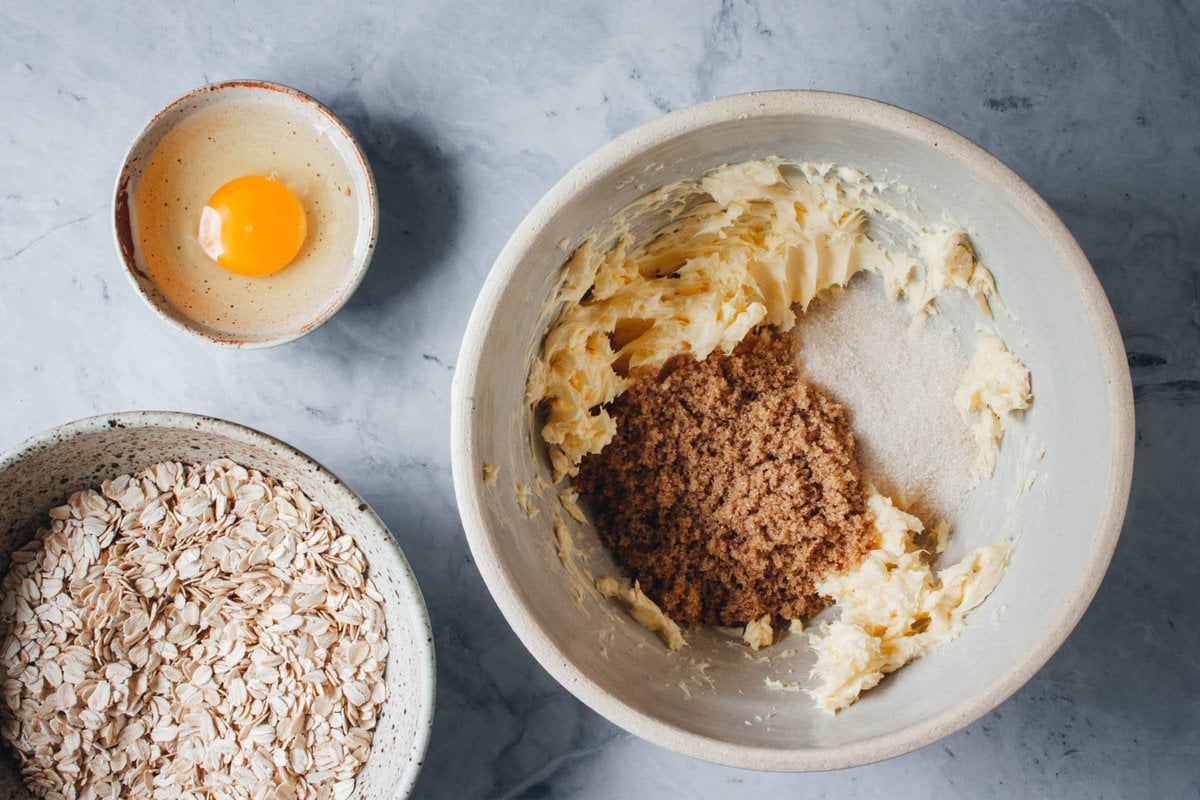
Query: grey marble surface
(469, 112)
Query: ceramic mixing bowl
(712, 701)
(46, 469)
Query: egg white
(207, 149)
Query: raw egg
(252, 225)
(247, 215)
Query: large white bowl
(1061, 325)
(45, 470)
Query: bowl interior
(308, 299)
(81, 455)
(713, 701)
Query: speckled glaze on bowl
(268, 330)
(1066, 528)
(45, 470)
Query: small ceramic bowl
(711, 700)
(207, 138)
(46, 469)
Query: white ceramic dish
(204, 300)
(1066, 527)
(46, 469)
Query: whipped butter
(759, 633)
(895, 607)
(994, 388)
(745, 246)
(741, 247)
(644, 610)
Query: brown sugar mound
(731, 488)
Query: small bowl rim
(417, 609)
(122, 218)
(469, 486)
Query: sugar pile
(899, 388)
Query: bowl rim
(123, 229)
(417, 609)
(469, 487)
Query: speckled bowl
(309, 305)
(712, 701)
(43, 471)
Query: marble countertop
(469, 112)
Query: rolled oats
(191, 631)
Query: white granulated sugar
(898, 386)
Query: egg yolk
(252, 225)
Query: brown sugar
(731, 488)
